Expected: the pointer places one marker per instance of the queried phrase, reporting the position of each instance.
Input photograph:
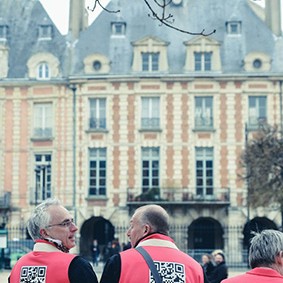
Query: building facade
(127, 111)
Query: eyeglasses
(66, 223)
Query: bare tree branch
(164, 18)
(97, 2)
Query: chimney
(78, 18)
(273, 16)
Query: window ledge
(150, 130)
(42, 138)
(204, 130)
(100, 198)
(97, 131)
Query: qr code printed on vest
(33, 274)
(171, 272)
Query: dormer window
(118, 28)
(203, 61)
(45, 32)
(150, 61)
(203, 55)
(43, 72)
(234, 27)
(3, 32)
(257, 62)
(96, 64)
(43, 66)
(150, 55)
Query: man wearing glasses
(52, 228)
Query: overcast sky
(58, 11)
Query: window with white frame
(150, 168)
(233, 27)
(97, 172)
(3, 32)
(42, 177)
(204, 171)
(42, 121)
(97, 118)
(202, 61)
(118, 28)
(150, 113)
(43, 71)
(204, 112)
(150, 61)
(45, 32)
(257, 111)
(150, 55)
(202, 55)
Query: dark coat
(220, 272)
(208, 268)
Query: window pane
(150, 168)
(197, 61)
(97, 118)
(43, 120)
(204, 171)
(145, 61)
(150, 113)
(203, 112)
(155, 61)
(207, 61)
(257, 110)
(97, 171)
(42, 177)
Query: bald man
(149, 229)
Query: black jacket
(219, 273)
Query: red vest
(48, 267)
(172, 264)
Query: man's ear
(146, 229)
(43, 233)
(279, 258)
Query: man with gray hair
(53, 230)
(265, 259)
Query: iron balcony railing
(179, 195)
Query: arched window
(43, 71)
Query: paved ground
(4, 274)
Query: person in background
(149, 228)
(107, 252)
(207, 265)
(265, 259)
(53, 230)
(127, 246)
(116, 248)
(220, 271)
(95, 252)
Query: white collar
(44, 247)
(158, 242)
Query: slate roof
(193, 15)
(23, 18)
